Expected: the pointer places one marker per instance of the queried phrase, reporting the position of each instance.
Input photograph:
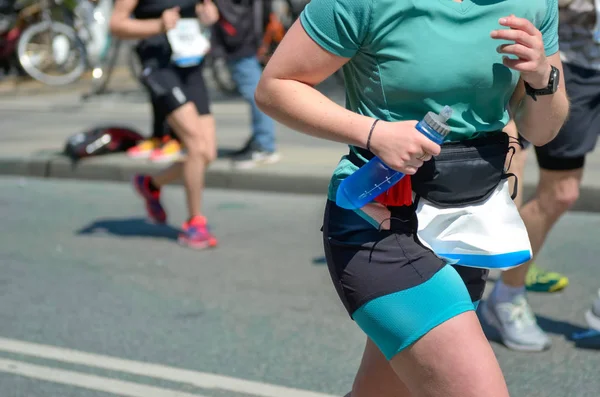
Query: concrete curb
(220, 175)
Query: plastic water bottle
(375, 177)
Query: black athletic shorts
(391, 285)
(579, 134)
(171, 87)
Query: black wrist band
(371, 133)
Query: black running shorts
(580, 132)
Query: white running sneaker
(593, 315)
(516, 324)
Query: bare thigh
(376, 377)
(454, 359)
(442, 363)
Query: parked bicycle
(103, 72)
(15, 17)
(51, 51)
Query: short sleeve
(549, 27)
(338, 26)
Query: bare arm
(125, 27)
(539, 121)
(286, 91)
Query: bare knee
(192, 140)
(566, 195)
(196, 132)
(210, 156)
(196, 149)
(205, 127)
(210, 150)
(558, 191)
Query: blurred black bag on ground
(101, 140)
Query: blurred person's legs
(169, 147)
(145, 148)
(561, 169)
(260, 148)
(183, 95)
(163, 144)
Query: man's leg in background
(170, 148)
(561, 169)
(246, 73)
(507, 306)
(160, 134)
(556, 193)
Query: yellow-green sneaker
(540, 280)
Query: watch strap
(548, 90)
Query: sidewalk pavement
(121, 81)
(34, 128)
(17, 87)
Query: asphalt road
(96, 302)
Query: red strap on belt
(398, 195)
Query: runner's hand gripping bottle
(375, 177)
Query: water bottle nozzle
(446, 113)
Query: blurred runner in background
(173, 43)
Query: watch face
(550, 89)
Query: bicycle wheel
(101, 73)
(47, 45)
(134, 64)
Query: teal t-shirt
(409, 57)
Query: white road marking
(91, 382)
(198, 379)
